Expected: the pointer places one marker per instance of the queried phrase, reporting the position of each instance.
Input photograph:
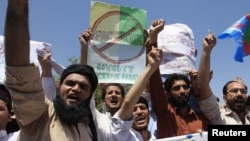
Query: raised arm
(154, 58)
(16, 34)
(84, 39)
(45, 64)
(157, 92)
(48, 81)
(155, 28)
(41, 52)
(22, 78)
(204, 77)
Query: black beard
(72, 114)
(236, 109)
(178, 103)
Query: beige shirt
(35, 113)
(220, 114)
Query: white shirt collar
(3, 133)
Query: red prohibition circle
(99, 50)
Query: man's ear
(167, 95)
(225, 99)
(12, 112)
(10, 117)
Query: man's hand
(209, 41)
(154, 57)
(44, 60)
(85, 37)
(156, 27)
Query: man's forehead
(176, 82)
(77, 77)
(140, 105)
(112, 87)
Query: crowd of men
(44, 112)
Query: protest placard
(116, 48)
(179, 53)
(203, 136)
(33, 55)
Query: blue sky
(59, 22)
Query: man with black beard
(234, 93)
(174, 116)
(69, 117)
(70, 114)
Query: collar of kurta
(3, 133)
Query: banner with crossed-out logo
(116, 47)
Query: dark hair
(218, 99)
(112, 84)
(224, 90)
(11, 126)
(85, 70)
(6, 97)
(89, 72)
(143, 101)
(248, 100)
(7, 101)
(172, 78)
(2, 87)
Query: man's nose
(76, 87)
(138, 110)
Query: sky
(59, 22)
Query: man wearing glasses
(234, 93)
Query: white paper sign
(33, 55)
(203, 136)
(177, 43)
